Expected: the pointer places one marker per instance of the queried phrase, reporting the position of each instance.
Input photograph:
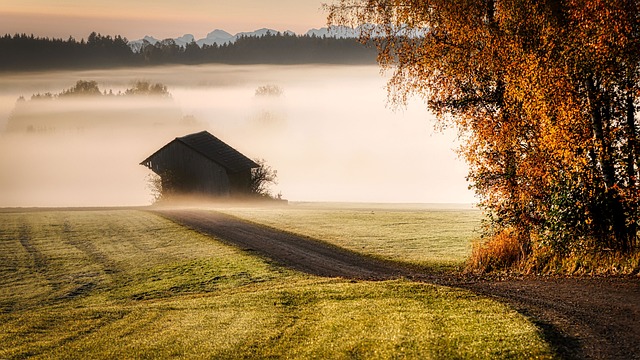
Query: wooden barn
(201, 164)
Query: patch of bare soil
(583, 318)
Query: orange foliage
(544, 95)
(500, 252)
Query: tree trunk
(613, 214)
(632, 170)
(603, 149)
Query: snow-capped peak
(150, 39)
(184, 39)
(218, 37)
(219, 34)
(221, 37)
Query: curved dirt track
(583, 318)
(293, 251)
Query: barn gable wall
(240, 182)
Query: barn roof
(216, 150)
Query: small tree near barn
(262, 178)
(163, 186)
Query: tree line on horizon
(28, 52)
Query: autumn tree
(544, 95)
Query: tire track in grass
(86, 282)
(38, 258)
(37, 272)
(83, 282)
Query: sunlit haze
(330, 136)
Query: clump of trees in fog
(27, 52)
(91, 88)
(47, 112)
(269, 90)
(545, 96)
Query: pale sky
(159, 18)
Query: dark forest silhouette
(27, 52)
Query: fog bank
(329, 135)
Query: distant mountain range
(317, 46)
(221, 37)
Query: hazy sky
(333, 119)
(159, 18)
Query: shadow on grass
(565, 346)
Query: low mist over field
(328, 134)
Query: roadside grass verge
(436, 238)
(502, 253)
(588, 262)
(130, 284)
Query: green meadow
(435, 237)
(131, 284)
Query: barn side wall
(187, 171)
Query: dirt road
(583, 318)
(303, 254)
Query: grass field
(130, 284)
(435, 237)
